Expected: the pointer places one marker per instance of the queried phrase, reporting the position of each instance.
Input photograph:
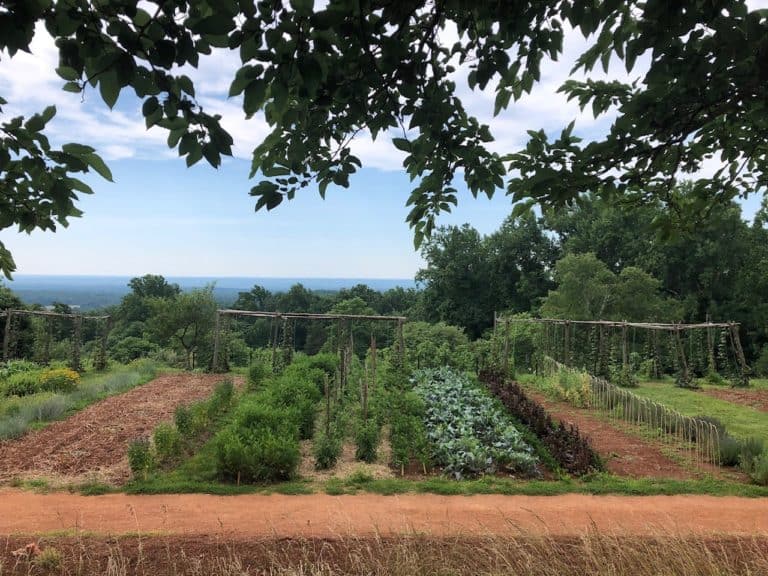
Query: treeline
(596, 260)
(592, 260)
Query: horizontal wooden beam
(308, 316)
(617, 324)
(54, 314)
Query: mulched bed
(91, 446)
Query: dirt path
(321, 515)
(623, 453)
(757, 399)
(92, 444)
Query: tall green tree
(186, 322)
(457, 287)
(321, 74)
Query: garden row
(706, 437)
(437, 420)
(572, 451)
(32, 394)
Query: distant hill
(90, 292)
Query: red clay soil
(325, 516)
(623, 454)
(92, 445)
(757, 399)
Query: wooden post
(275, 332)
(76, 337)
(7, 339)
(327, 406)
(566, 343)
(400, 343)
(624, 350)
(373, 361)
(743, 368)
(506, 346)
(101, 362)
(681, 355)
(48, 338)
(710, 348)
(216, 341)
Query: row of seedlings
(572, 451)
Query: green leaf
(303, 7)
(67, 73)
(79, 150)
(99, 166)
(73, 87)
(216, 25)
(402, 144)
(109, 87)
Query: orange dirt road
(321, 515)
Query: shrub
(367, 440)
(59, 380)
(46, 409)
(407, 435)
(16, 366)
(257, 455)
(13, 427)
(131, 348)
(48, 560)
(140, 458)
(182, 417)
(167, 441)
(22, 384)
(751, 449)
(301, 396)
(257, 373)
(221, 399)
(327, 450)
(624, 377)
(761, 364)
(730, 450)
(760, 469)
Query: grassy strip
(32, 412)
(740, 421)
(599, 484)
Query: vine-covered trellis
(283, 329)
(12, 328)
(612, 349)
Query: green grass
(740, 421)
(759, 383)
(598, 484)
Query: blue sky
(160, 217)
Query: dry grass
(593, 554)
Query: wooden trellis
(613, 342)
(77, 327)
(288, 322)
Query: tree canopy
(322, 74)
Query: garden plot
(91, 446)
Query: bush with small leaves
(59, 380)
(140, 458)
(221, 399)
(21, 384)
(327, 449)
(182, 417)
(167, 441)
(257, 374)
(759, 472)
(367, 440)
(751, 449)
